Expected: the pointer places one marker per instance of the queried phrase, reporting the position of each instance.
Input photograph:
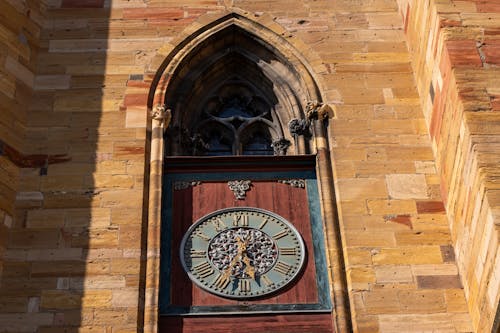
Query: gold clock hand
(234, 261)
(249, 269)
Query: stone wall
(19, 36)
(456, 59)
(76, 247)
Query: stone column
(159, 122)
(317, 113)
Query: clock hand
(249, 269)
(236, 258)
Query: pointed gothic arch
(235, 50)
(236, 60)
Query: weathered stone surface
(74, 81)
(407, 186)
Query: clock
(242, 253)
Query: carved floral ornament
(298, 183)
(239, 188)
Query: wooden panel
(285, 200)
(190, 204)
(310, 323)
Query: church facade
(229, 165)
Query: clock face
(242, 252)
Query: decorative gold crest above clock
(242, 252)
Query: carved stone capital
(162, 114)
(317, 110)
(298, 127)
(280, 146)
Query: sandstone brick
(13, 304)
(38, 239)
(431, 222)
(379, 168)
(355, 207)
(462, 322)
(46, 218)
(441, 269)
(125, 266)
(97, 298)
(357, 256)
(24, 322)
(128, 237)
(136, 117)
(367, 323)
(55, 299)
(96, 238)
(88, 217)
(111, 167)
(110, 181)
(49, 82)
(410, 153)
(407, 186)
(378, 302)
(125, 297)
(113, 199)
(391, 206)
(97, 282)
(424, 207)
(97, 267)
(440, 322)
(455, 300)
(351, 189)
(350, 154)
(360, 237)
(406, 238)
(93, 254)
(55, 254)
(438, 281)
(408, 255)
(110, 317)
(393, 274)
(128, 150)
(422, 301)
(22, 73)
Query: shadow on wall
(62, 145)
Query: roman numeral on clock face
(244, 286)
(282, 268)
(203, 270)
(197, 253)
(264, 222)
(281, 234)
(267, 281)
(202, 236)
(221, 281)
(240, 220)
(287, 251)
(219, 225)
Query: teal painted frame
(324, 301)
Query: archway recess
(235, 61)
(235, 87)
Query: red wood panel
(195, 202)
(283, 323)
